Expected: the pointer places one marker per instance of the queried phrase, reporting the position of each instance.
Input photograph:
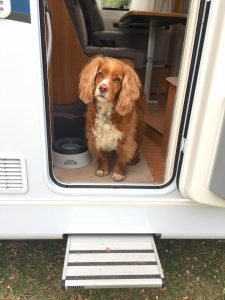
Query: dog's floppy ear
(131, 91)
(87, 79)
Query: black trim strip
(20, 17)
(150, 276)
(198, 47)
(179, 168)
(110, 251)
(47, 102)
(74, 287)
(112, 263)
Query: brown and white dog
(113, 92)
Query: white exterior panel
(49, 211)
(51, 222)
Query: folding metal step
(107, 261)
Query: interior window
(123, 4)
(81, 36)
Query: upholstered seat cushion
(122, 39)
(136, 56)
(80, 26)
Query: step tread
(96, 261)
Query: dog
(114, 96)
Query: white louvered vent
(13, 177)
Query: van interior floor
(149, 170)
(156, 162)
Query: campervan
(176, 191)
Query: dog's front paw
(101, 172)
(118, 177)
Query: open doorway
(68, 111)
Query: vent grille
(12, 175)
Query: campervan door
(190, 204)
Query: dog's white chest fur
(106, 134)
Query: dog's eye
(118, 79)
(100, 75)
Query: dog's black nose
(103, 88)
